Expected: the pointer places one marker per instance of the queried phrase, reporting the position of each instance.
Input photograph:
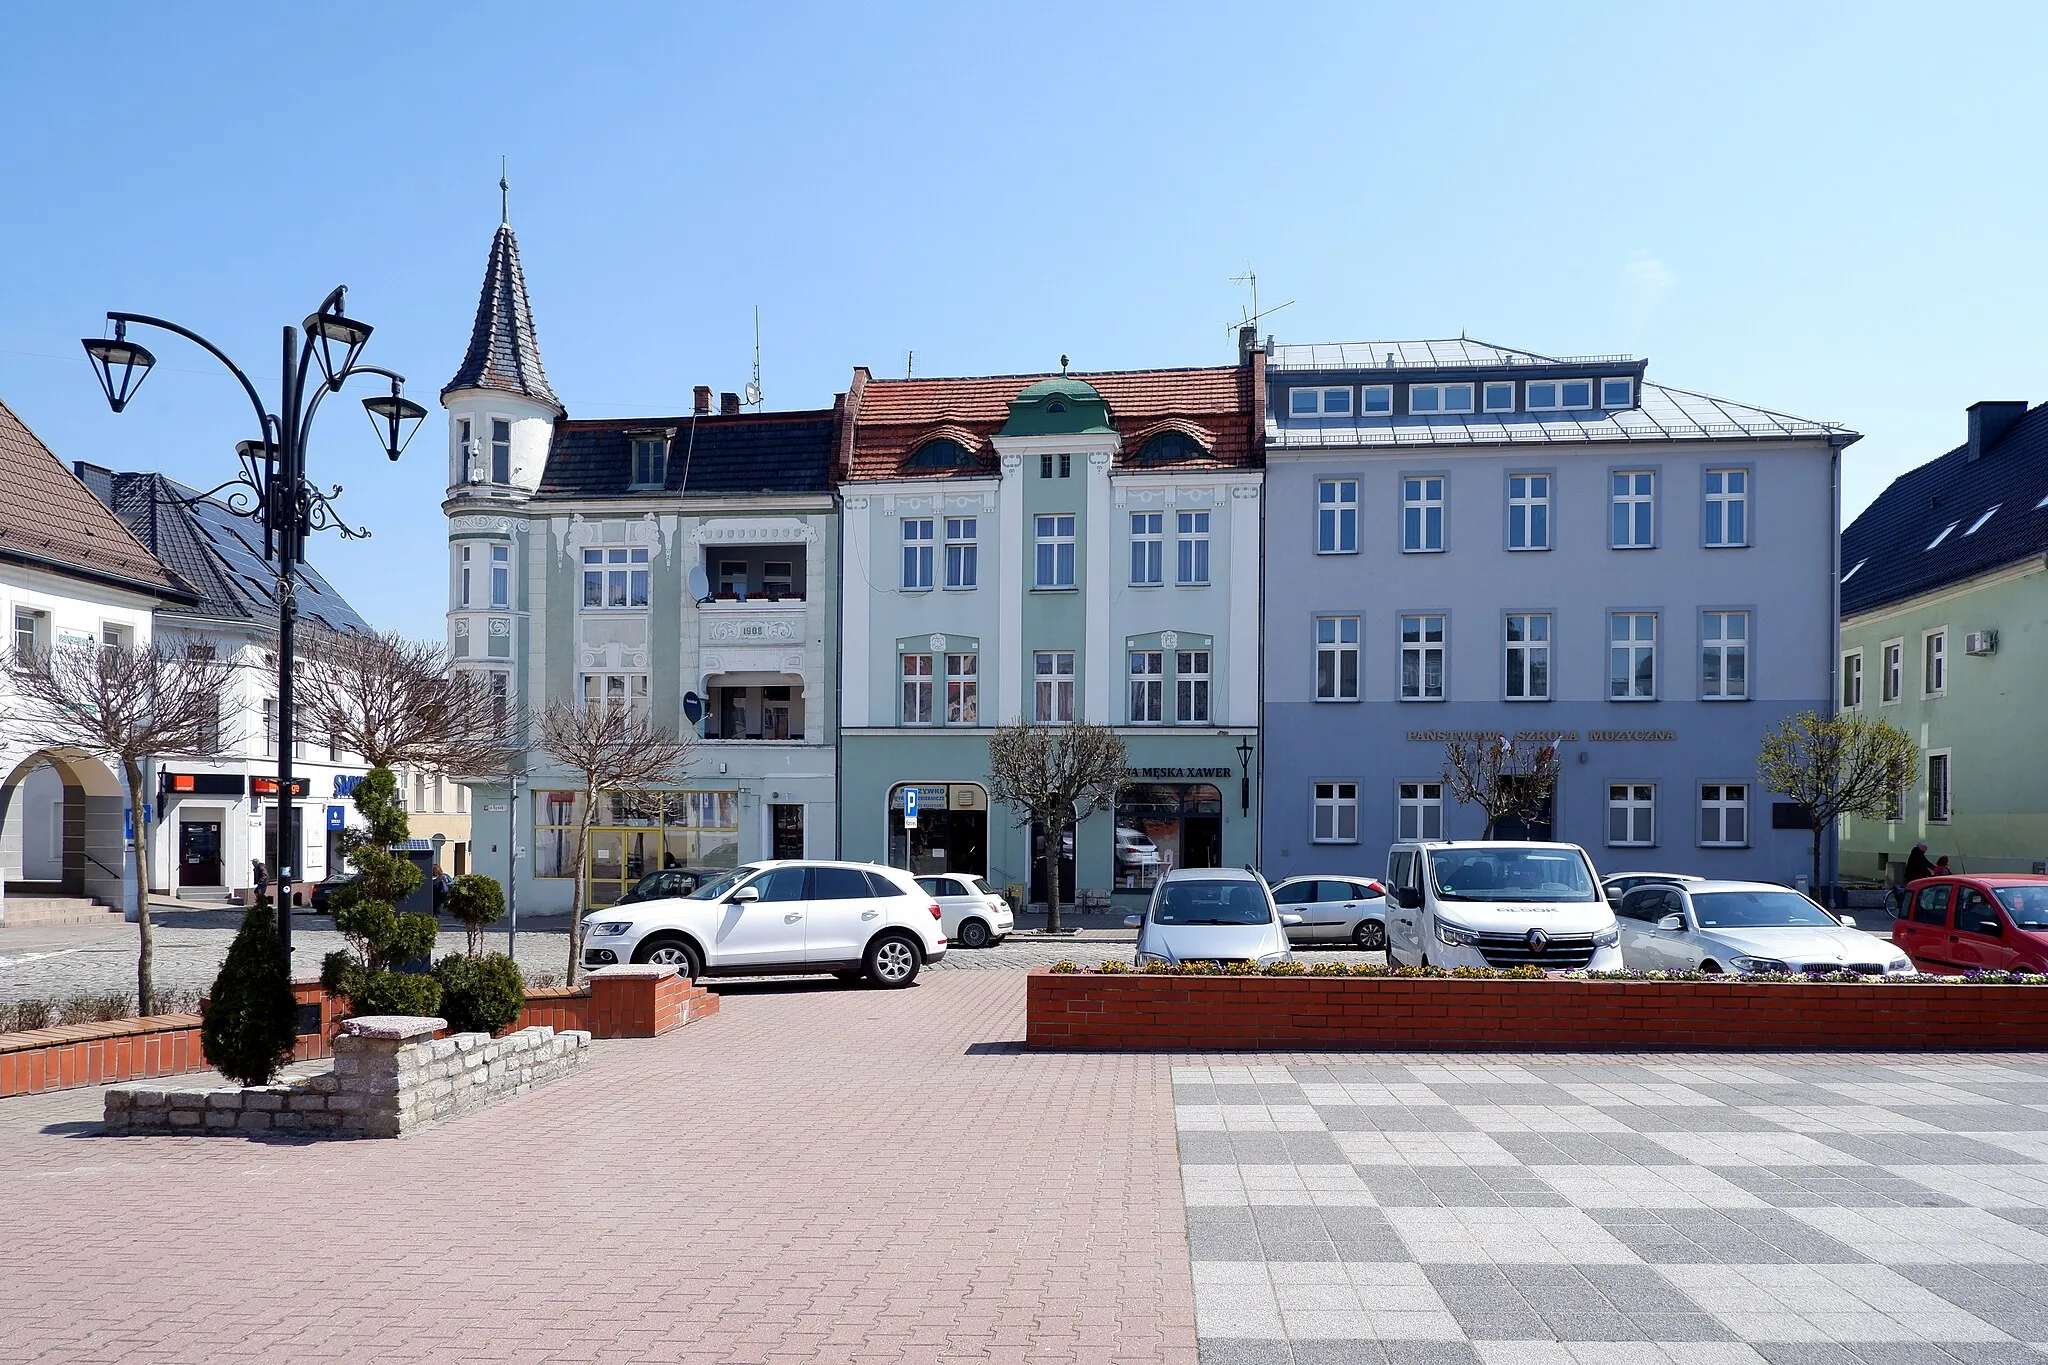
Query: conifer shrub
(380, 939)
(478, 902)
(252, 1019)
(480, 994)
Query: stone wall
(391, 1077)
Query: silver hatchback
(1212, 914)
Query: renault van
(1483, 904)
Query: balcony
(767, 708)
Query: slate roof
(1890, 539)
(893, 417)
(503, 352)
(764, 452)
(50, 520)
(217, 552)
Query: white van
(1482, 904)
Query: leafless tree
(610, 748)
(1509, 779)
(124, 707)
(1057, 775)
(396, 701)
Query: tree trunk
(1052, 878)
(576, 894)
(145, 956)
(1813, 887)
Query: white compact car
(1212, 914)
(970, 913)
(1458, 903)
(1335, 910)
(1619, 884)
(1743, 927)
(780, 919)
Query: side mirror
(1614, 899)
(1290, 920)
(1133, 921)
(1409, 898)
(1848, 921)
(743, 895)
(1673, 924)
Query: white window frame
(1934, 662)
(1523, 654)
(462, 576)
(657, 462)
(1421, 649)
(1323, 401)
(501, 576)
(1721, 804)
(632, 576)
(1191, 686)
(1728, 500)
(1337, 500)
(1052, 679)
(1636, 501)
(1723, 647)
(1940, 812)
(1441, 398)
(1337, 649)
(1532, 401)
(1636, 803)
(1636, 646)
(918, 538)
(963, 688)
(1418, 810)
(494, 445)
(1191, 549)
(1852, 680)
(1529, 504)
(1334, 812)
(30, 629)
(1628, 399)
(270, 727)
(1384, 393)
(1486, 395)
(1147, 698)
(1148, 549)
(1422, 494)
(612, 689)
(914, 696)
(963, 553)
(1891, 677)
(1046, 547)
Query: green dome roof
(1066, 386)
(1060, 405)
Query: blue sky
(1828, 209)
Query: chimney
(1990, 420)
(728, 405)
(98, 479)
(703, 404)
(1247, 342)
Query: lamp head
(396, 418)
(328, 332)
(120, 364)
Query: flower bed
(1296, 1005)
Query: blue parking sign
(910, 806)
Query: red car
(1988, 923)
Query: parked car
(1135, 850)
(971, 914)
(1744, 927)
(1335, 910)
(670, 881)
(324, 889)
(1454, 903)
(1212, 914)
(778, 919)
(1992, 922)
(1619, 884)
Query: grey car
(1212, 914)
(1350, 910)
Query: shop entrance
(951, 833)
(199, 853)
(1038, 864)
(1161, 826)
(787, 831)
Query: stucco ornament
(938, 643)
(1168, 639)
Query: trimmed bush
(252, 1019)
(478, 902)
(480, 994)
(397, 993)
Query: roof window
(2042, 503)
(1853, 572)
(941, 453)
(1617, 393)
(1559, 395)
(1944, 534)
(1170, 446)
(1500, 397)
(1428, 398)
(1319, 402)
(1981, 520)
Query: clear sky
(1834, 210)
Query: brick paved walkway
(816, 1174)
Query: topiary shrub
(480, 994)
(398, 993)
(252, 1018)
(478, 902)
(380, 939)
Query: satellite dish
(700, 586)
(693, 705)
(753, 395)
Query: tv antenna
(909, 363)
(1253, 314)
(754, 384)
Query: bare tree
(1837, 765)
(1057, 775)
(123, 706)
(611, 748)
(1509, 779)
(395, 701)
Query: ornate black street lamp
(272, 488)
(1244, 778)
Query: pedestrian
(1941, 867)
(441, 885)
(1918, 864)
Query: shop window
(632, 834)
(951, 833)
(1161, 826)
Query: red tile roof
(50, 519)
(896, 416)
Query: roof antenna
(909, 363)
(754, 388)
(1253, 315)
(504, 196)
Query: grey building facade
(1465, 539)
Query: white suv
(779, 919)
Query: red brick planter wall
(1090, 1011)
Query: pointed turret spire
(503, 351)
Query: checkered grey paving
(1549, 1213)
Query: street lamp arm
(263, 416)
(313, 404)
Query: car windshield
(1510, 874)
(2028, 905)
(1211, 902)
(716, 890)
(1759, 910)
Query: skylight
(1853, 572)
(1981, 520)
(2042, 503)
(1944, 534)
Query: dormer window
(1981, 520)
(1319, 402)
(1559, 395)
(1500, 397)
(1055, 407)
(1376, 400)
(1170, 447)
(1617, 393)
(941, 453)
(650, 461)
(1944, 534)
(1439, 398)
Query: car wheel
(974, 934)
(1370, 936)
(671, 952)
(893, 960)
(1710, 968)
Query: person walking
(1917, 866)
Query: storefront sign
(337, 817)
(200, 784)
(1482, 736)
(1173, 773)
(345, 784)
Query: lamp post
(1244, 779)
(272, 488)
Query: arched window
(1170, 446)
(942, 453)
(1055, 406)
